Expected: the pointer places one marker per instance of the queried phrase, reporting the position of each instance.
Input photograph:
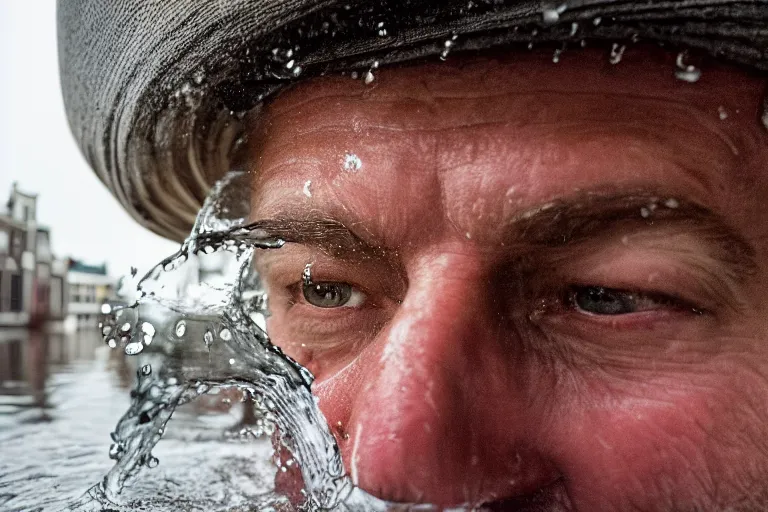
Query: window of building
(16, 293)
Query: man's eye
(597, 300)
(332, 295)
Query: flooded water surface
(177, 400)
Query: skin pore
(532, 286)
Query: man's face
(529, 283)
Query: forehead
(481, 126)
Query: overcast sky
(37, 150)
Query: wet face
(529, 284)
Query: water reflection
(27, 361)
(60, 395)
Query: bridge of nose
(431, 400)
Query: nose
(436, 411)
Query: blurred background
(64, 240)
(64, 245)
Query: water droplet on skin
(198, 77)
(306, 190)
(597, 21)
(556, 55)
(181, 328)
(112, 343)
(125, 327)
(290, 64)
(106, 330)
(231, 361)
(225, 334)
(722, 113)
(146, 369)
(152, 462)
(645, 212)
(468, 235)
(352, 162)
(133, 348)
(355, 75)
(687, 73)
(574, 28)
(617, 52)
(671, 203)
(369, 78)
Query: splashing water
(206, 337)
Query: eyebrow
(561, 223)
(330, 235)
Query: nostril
(552, 498)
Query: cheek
(676, 440)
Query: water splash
(204, 337)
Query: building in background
(89, 286)
(32, 281)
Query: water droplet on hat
(551, 15)
(181, 328)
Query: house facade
(33, 288)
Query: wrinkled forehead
(643, 71)
(582, 91)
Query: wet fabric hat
(155, 90)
